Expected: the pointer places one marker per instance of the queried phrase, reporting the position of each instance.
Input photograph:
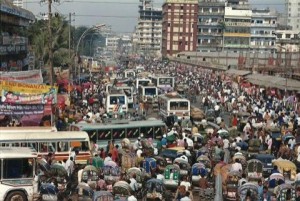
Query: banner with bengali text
(33, 76)
(14, 97)
(7, 109)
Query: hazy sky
(122, 15)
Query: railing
(236, 45)
(209, 23)
(211, 13)
(263, 25)
(263, 35)
(203, 44)
(238, 24)
(210, 33)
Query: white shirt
(225, 143)
(238, 139)
(133, 184)
(185, 158)
(185, 199)
(139, 153)
(297, 178)
(131, 198)
(186, 184)
(236, 167)
(107, 158)
(160, 176)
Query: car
(266, 159)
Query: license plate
(49, 197)
(269, 171)
(269, 164)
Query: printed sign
(7, 109)
(13, 97)
(26, 88)
(33, 76)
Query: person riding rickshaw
(286, 167)
(285, 192)
(90, 176)
(121, 190)
(103, 196)
(155, 190)
(171, 176)
(232, 180)
(248, 189)
(184, 166)
(254, 170)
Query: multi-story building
(292, 10)
(237, 22)
(210, 25)
(179, 27)
(13, 43)
(263, 27)
(112, 43)
(287, 41)
(149, 27)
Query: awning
(237, 72)
(274, 82)
(7, 6)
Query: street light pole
(80, 38)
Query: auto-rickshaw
(206, 161)
(184, 166)
(155, 190)
(198, 171)
(255, 170)
(285, 192)
(171, 176)
(232, 180)
(286, 167)
(138, 173)
(103, 196)
(121, 190)
(246, 188)
(275, 179)
(90, 176)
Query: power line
(109, 16)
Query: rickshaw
(171, 153)
(161, 162)
(198, 171)
(285, 192)
(121, 190)
(90, 176)
(254, 146)
(96, 161)
(206, 161)
(149, 165)
(242, 160)
(245, 188)
(286, 167)
(84, 191)
(171, 177)
(232, 181)
(210, 115)
(275, 179)
(266, 160)
(155, 190)
(138, 173)
(255, 170)
(103, 196)
(111, 173)
(184, 166)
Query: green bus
(120, 129)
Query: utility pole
(70, 20)
(50, 41)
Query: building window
(287, 35)
(181, 7)
(279, 35)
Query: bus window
(146, 130)
(23, 144)
(133, 132)
(85, 146)
(117, 100)
(43, 147)
(118, 133)
(63, 147)
(150, 91)
(104, 134)
(183, 105)
(158, 132)
(48, 147)
(17, 168)
(33, 145)
(92, 135)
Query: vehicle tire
(16, 196)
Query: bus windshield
(17, 168)
(179, 105)
(117, 100)
(143, 82)
(150, 92)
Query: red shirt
(234, 121)
(115, 154)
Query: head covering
(164, 135)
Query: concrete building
(179, 26)
(292, 10)
(112, 43)
(237, 33)
(263, 27)
(287, 41)
(149, 28)
(210, 25)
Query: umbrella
(58, 170)
(90, 168)
(287, 137)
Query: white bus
(148, 92)
(174, 104)
(116, 102)
(129, 73)
(162, 81)
(125, 88)
(59, 143)
(17, 165)
(142, 82)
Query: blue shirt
(164, 141)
